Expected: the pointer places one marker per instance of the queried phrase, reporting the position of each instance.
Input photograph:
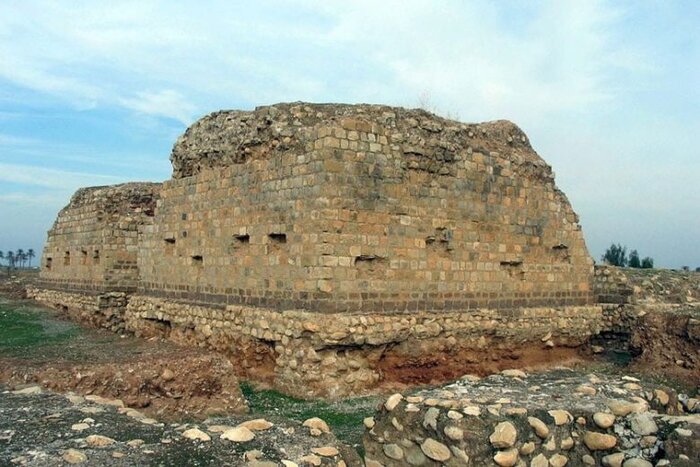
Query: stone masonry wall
(94, 242)
(104, 310)
(313, 354)
(338, 208)
(335, 249)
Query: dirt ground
(38, 347)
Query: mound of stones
(39, 428)
(557, 418)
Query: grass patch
(343, 416)
(23, 329)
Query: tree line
(616, 255)
(18, 259)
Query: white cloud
(133, 55)
(52, 178)
(166, 103)
(586, 79)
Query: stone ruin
(337, 249)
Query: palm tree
(2, 255)
(19, 257)
(10, 259)
(30, 255)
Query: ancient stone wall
(312, 354)
(94, 243)
(337, 208)
(105, 310)
(333, 249)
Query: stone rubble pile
(551, 419)
(39, 428)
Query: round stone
(79, 426)
(561, 417)
(318, 424)
(435, 450)
(539, 461)
(558, 460)
(99, 441)
(454, 433)
(259, 424)
(240, 434)
(369, 422)
(661, 396)
(622, 408)
(527, 448)
(504, 435)
(539, 426)
(393, 451)
(613, 460)
(603, 419)
(643, 424)
(195, 433)
(507, 458)
(393, 401)
(514, 373)
(599, 441)
(637, 462)
(325, 451)
(567, 443)
(73, 456)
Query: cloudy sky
(95, 92)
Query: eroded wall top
(363, 207)
(233, 137)
(93, 243)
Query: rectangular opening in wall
(83, 257)
(371, 265)
(96, 257)
(242, 239)
(169, 245)
(66, 258)
(184, 216)
(561, 253)
(49, 262)
(278, 237)
(514, 269)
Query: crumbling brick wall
(338, 208)
(94, 243)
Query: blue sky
(96, 92)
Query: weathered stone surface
(317, 424)
(603, 419)
(613, 460)
(504, 435)
(599, 441)
(238, 435)
(435, 450)
(73, 456)
(507, 458)
(538, 426)
(392, 402)
(259, 424)
(99, 441)
(196, 434)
